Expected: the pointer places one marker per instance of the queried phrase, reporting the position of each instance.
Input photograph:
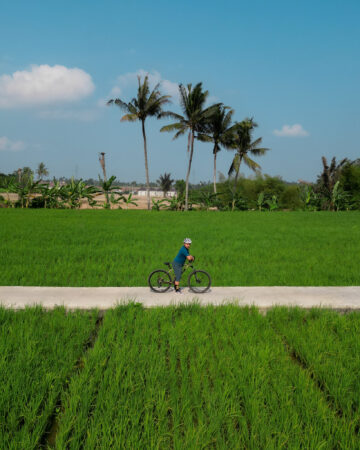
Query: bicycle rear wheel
(199, 281)
(159, 281)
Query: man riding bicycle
(179, 262)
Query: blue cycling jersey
(180, 258)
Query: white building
(154, 193)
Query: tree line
(337, 188)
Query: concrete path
(340, 298)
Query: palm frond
(129, 118)
(179, 133)
(173, 127)
(260, 151)
(204, 137)
(235, 165)
(118, 102)
(171, 115)
(253, 165)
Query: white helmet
(187, 241)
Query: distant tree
(180, 186)
(23, 175)
(42, 171)
(221, 177)
(327, 180)
(165, 182)
(144, 105)
(192, 101)
(350, 181)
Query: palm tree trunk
(235, 184)
(188, 171)
(215, 153)
(146, 165)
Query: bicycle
(161, 280)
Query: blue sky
(294, 66)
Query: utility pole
(19, 175)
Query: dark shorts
(177, 269)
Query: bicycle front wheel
(159, 281)
(199, 281)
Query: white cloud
(11, 146)
(44, 85)
(291, 131)
(127, 80)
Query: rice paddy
(180, 377)
(121, 248)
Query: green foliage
(180, 187)
(350, 181)
(272, 203)
(157, 205)
(176, 203)
(129, 201)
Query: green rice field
(179, 377)
(121, 248)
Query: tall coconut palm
(192, 101)
(42, 171)
(218, 129)
(244, 147)
(144, 105)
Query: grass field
(120, 248)
(185, 377)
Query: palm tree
(42, 171)
(328, 179)
(244, 146)
(139, 108)
(192, 102)
(218, 129)
(165, 182)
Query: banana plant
(108, 188)
(116, 198)
(9, 186)
(260, 201)
(157, 205)
(75, 191)
(272, 203)
(26, 192)
(128, 201)
(52, 195)
(176, 203)
(208, 199)
(338, 197)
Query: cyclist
(179, 261)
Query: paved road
(341, 298)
